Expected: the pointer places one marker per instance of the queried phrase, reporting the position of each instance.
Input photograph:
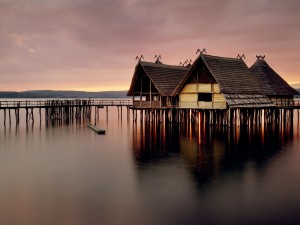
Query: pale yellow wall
(205, 88)
(188, 105)
(189, 88)
(205, 105)
(188, 98)
(219, 105)
(191, 101)
(216, 88)
(219, 98)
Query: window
(205, 97)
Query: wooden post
(32, 116)
(150, 93)
(141, 115)
(121, 112)
(95, 116)
(128, 113)
(141, 92)
(9, 117)
(106, 112)
(4, 117)
(26, 114)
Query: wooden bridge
(28, 104)
(60, 109)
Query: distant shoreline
(68, 94)
(62, 94)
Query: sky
(91, 45)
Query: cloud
(37, 37)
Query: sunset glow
(91, 45)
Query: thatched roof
(232, 75)
(271, 81)
(164, 77)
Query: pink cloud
(99, 36)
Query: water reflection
(215, 175)
(148, 173)
(208, 150)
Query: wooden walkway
(62, 103)
(61, 109)
(69, 110)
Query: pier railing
(64, 102)
(287, 104)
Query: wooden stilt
(4, 117)
(9, 116)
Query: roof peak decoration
(187, 62)
(158, 57)
(260, 57)
(139, 57)
(241, 56)
(201, 52)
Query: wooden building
(210, 83)
(215, 82)
(279, 91)
(153, 83)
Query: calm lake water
(147, 174)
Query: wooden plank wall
(188, 98)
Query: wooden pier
(244, 117)
(61, 109)
(70, 110)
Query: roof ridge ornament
(139, 57)
(201, 52)
(241, 56)
(187, 62)
(157, 57)
(260, 57)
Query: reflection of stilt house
(222, 88)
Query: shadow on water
(208, 151)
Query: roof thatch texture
(164, 77)
(233, 75)
(271, 81)
(248, 101)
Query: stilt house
(279, 91)
(211, 82)
(153, 83)
(218, 83)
